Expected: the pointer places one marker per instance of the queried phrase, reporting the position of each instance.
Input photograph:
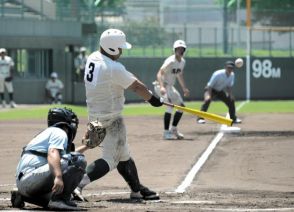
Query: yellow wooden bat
(205, 115)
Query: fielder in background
(105, 82)
(220, 87)
(48, 171)
(6, 77)
(172, 69)
(80, 63)
(54, 88)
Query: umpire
(220, 87)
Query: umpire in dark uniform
(220, 87)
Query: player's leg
(205, 105)
(73, 173)
(230, 102)
(167, 135)
(36, 187)
(128, 171)
(112, 143)
(178, 100)
(10, 90)
(58, 98)
(2, 92)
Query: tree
(268, 12)
(147, 33)
(87, 10)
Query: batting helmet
(113, 39)
(179, 43)
(59, 117)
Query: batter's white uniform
(171, 68)
(105, 82)
(5, 65)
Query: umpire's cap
(230, 64)
(2, 50)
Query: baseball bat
(205, 115)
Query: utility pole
(225, 27)
(248, 63)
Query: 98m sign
(265, 69)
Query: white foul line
(197, 166)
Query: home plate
(227, 129)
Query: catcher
(48, 171)
(105, 81)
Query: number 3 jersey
(172, 67)
(105, 82)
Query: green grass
(268, 107)
(37, 112)
(144, 109)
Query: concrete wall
(265, 83)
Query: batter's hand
(162, 91)
(58, 185)
(186, 92)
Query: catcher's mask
(59, 117)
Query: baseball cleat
(62, 205)
(201, 121)
(168, 135)
(145, 194)
(237, 121)
(77, 195)
(176, 133)
(12, 104)
(16, 200)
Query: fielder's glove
(8, 79)
(95, 134)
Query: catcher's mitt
(95, 134)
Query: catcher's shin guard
(71, 179)
(128, 171)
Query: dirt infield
(250, 170)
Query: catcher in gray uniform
(171, 70)
(48, 171)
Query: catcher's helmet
(179, 43)
(58, 117)
(113, 39)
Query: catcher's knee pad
(78, 160)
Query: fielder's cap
(230, 64)
(2, 50)
(83, 49)
(54, 75)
